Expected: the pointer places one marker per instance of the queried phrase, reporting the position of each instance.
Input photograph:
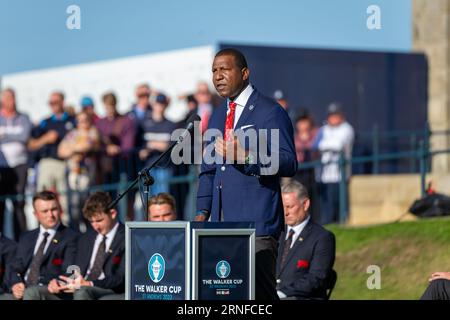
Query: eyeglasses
(143, 95)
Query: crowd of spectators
(72, 152)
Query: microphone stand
(144, 174)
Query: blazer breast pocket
(246, 127)
(248, 136)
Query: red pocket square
(117, 259)
(57, 262)
(302, 264)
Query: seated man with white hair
(306, 250)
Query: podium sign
(157, 261)
(223, 264)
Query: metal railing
(376, 143)
(188, 211)
(421, 154)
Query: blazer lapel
(117, 242)
(303, 235)
(248, 110)
(54, 242)
(31, 245)
(222, 117)
(86, 258)
(280, 251)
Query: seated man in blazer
(44, 253)
(306, 251)
(100, 258)
(7, 255)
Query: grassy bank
(406, 252)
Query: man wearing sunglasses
(45, 140)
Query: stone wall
(431, 35)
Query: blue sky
(34, 35)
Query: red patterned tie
(229, 123)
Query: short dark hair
(239, 57)
(304, 115)
(109, 98)
(45, 196)
(96, 203)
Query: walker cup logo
(156, 267)
(223, 269)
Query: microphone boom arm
(144, 173)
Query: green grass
(406, 252)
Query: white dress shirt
(240, 101)
(297, 229)
(51, 234)
(109, 239)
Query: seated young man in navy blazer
(100, 259)
(7, 255)
(306, 251)
(44, 253)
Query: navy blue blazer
(244, 192)
(114, 267)
(308, 265)
(59, 256)
(7, 255)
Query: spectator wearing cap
(15, 129)
(45, 140)
(118, 135)
(87, 105)
(334, 138)
(156, 138)
(281, 98)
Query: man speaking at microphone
(244, 186)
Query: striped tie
(97, 267)
(35, 267)
(287, 246)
